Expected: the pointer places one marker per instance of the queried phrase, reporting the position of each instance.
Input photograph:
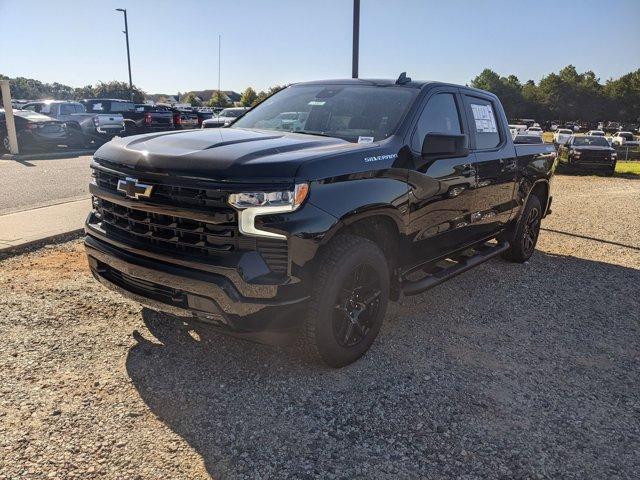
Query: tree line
(31, 89)
(566, 96)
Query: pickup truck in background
(588, 153)
(137, 118)
(390, 188)
(184, 119)
(83, 127)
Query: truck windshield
(590, 142)
(356, 113)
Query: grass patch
(628, 168)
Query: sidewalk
(39, 225)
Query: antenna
(402, 79)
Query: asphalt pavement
(31, 184)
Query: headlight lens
(286, 198)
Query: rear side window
(440, 115)
(484, 123)
(67, 109)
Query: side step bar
(462, 263)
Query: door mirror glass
(442, 145)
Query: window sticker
(316, 102)
(484, 117)
(365, 139)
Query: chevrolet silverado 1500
(388, 189)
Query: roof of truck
(385, 82)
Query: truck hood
(592, 148)
(223, 154)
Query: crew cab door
(441, 188)
(496, 163)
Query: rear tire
(348, 301)
(524, 239)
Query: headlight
(252, 204)
(614, 155)
(575, 153)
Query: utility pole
(12, 138)
(219, 49)
(356, 38)
(126, 34)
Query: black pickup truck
(138, 118)
(387, 189)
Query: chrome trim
(247, 217)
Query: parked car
(34, 131)
(588, 153)
(534, 131)
(562, 136)
(259, 230)
(626, 139)
(596, 133)
(137, 118)
(611, 127)
(226, 116)
(82, 126)
(202, 116)
(530, 139)
(183, 119)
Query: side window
(67, 109)
(484, 123)
(440, 115)
(34, 107)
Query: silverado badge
(132, 189)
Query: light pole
(356, 38)
(126, 34)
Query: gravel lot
(508, 371)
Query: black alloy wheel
(531, 231)
(357, 306)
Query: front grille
(182, 236)
(173, 195)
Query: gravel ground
(508, 371)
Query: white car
(226, 116)
(534, 131)
(562, 136)
(624, 138)
(596, 133)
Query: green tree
(622, 97)
(248, 97)
(219, 99)
(192, 100)
(115, 89)
(260, 97)
(83, 92)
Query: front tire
(348, 302)
(523, 241)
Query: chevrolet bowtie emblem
(132, 189)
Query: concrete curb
(48, 156)
(6, 252)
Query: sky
(174, 44)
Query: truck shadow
(474, 363)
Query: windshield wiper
(307, 132)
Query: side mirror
(442, 145)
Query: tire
(348, 301)
(130, 128)
(524, 239)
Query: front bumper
(187, 292)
